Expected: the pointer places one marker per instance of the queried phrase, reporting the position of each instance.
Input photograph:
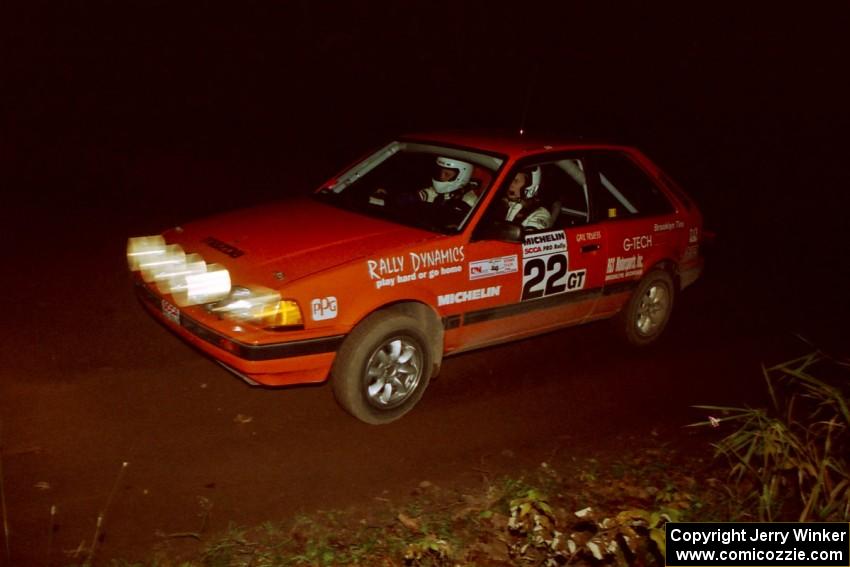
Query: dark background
(138, 115)
(120, 119)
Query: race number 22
(544, 275)
(548, 275)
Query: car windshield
(416, 184)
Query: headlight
(260, 306)
(284, 313)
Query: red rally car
(432, 245)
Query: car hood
(296, 238)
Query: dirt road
(89, 382)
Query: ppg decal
(323, 308)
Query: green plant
(548, 516)
(549, 536)
(511, 488)
(792, 458)
(429, 550)
(533, 520)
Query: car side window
(541, 196)
(565, 187)
(414, 184)
(625, 190)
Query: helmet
(530, 190)
(462, 176)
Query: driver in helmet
(521, 205)
(450, 183)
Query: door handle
(589, 248)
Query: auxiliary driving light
(173, 279)
(206, 287)
(143, 249)
(154, 266)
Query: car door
(639, 221)
(548, 276)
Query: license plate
(170, 311)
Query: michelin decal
(544, 243)
(469, 295)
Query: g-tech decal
(323, 308)
(469, 295)
(493, 267)
(391, 270)
(637, 242)
(620, 267)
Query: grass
(785, 462)
(531, 518)
(791, 460)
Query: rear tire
(647, 312)
(382, 368)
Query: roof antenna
(528, 92)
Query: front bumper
(269, 364)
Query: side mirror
(500, 230)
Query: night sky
(745, 103)
(280, 73)
(123, 118)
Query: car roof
(512, 144)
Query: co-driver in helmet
(521, 205)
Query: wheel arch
(432, 325)
(626, 320)
(672, 268)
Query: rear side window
(677, 190)
(625, 190)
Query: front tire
(382, 368)
(647, 312)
